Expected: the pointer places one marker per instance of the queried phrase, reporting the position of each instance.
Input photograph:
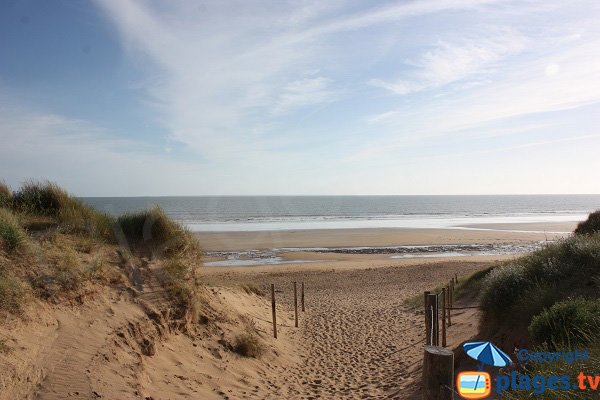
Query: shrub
(591, 225)
(154, 230)
(5, 195)
(12, 235)
(572, 322)
(248, 345)
(12, 293)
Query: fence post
(273, 310)
(302, 297)
(444, 294)
(295, 305)
(438, 373)
(450, 306)
(432, 314)
(427, 317)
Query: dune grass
(153, 229)
(567, 324)
(46, 199)
(12, 293)
(524, 287)
(5, 195)
(248, 345)
(12, 234)
(552, 296)
(72, 245)
(589, 226)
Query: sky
(145, 98)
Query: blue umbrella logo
(487, 353)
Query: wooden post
(444, 294)
(302, 297)
(295, 305)
(273, 310)
(438, 373)
(456, 278)
(427, 317)
(449, 307)
(433, 335)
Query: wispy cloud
(451, 62)
(222, 83)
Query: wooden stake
(302, 297)
(444, 317)
(433, 334)
(427, 317)
(273, 310)
(295, 305)
(449, 320)
(438, 373)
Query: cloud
(451, 62)
(225, 74)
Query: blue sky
(123, 97)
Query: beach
(359, 338)
(314, 246)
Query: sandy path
(358, 340)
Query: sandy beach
(358, 338)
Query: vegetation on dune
(5, 195)
(248, 345)
(526, 286)
(550, 296)
(589, 226)
(153, 229)
(12, 293)
(567, 324)
(36, 199)
(74, 246)
(12, 234)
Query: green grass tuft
(12, 235)
(49, 200)
(153, 229)
(535, 281)
(567, 324)
(5, 195)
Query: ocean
(259, 213)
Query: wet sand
(493, 233)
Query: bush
(5, 195)
(248, 345)
(591, 225)
(569, 323)
(12, 293)
(154, 230)
(12, 235)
